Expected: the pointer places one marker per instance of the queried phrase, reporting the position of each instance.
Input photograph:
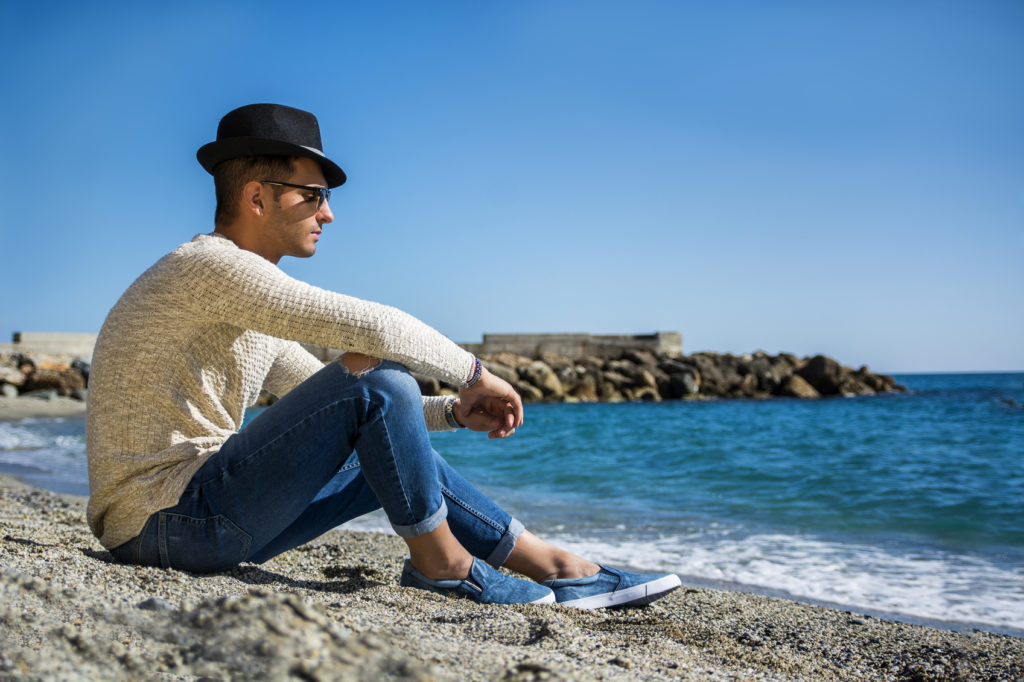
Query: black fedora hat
(269, 130)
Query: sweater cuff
(433, 413)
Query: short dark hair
(229, 177)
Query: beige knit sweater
(189, 346)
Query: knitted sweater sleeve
(229, 283)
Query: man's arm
(229, 284)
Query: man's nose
(324, 214)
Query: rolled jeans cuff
(425, 526)
(507, 543)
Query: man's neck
(243, 239)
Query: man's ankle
(443, 568)
(570, 566)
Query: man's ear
(253, 197)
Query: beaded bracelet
(449, 413)
(477, 370)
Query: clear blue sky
(845, 178)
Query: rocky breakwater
(643, 375)
(43, 376)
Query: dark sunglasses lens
(325, 194)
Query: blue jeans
(294, 473)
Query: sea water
(909, 505)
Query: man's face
(293, 222)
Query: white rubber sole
(638, 595)
(548, 598)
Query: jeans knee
(395, 383)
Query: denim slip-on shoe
(612, 587)
(483, 584)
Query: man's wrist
(449, 413)
(478, 369)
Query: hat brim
(209, 155)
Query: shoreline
(333, 609)
(26, 407)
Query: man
(175, 482)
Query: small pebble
(156, 604)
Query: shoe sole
(411, 581)
(638, 595)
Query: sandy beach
(333, 610)
(12, 409)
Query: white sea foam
(933, 586)
(18, 436)
(50, 447)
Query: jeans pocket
(205, 545)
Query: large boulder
(644, 393)
(541, 375)
(528, 392)
(501, 371)
(12, 376)
(586, 388)
(745, 388)
(64, 381)
(507, 359)
(853, 385)
(636, 375)
(713, 380)
(680, 385)
(768, 375)
(643, 358)
(823, 373)
(795, 386)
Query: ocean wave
(17, 436)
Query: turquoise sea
(909, 505)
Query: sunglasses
(322, 193)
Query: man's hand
(491, 405)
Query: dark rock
(586, 389)
(680, 385)
(554, 361)
(644, 393)
(635, 375)
(528, 392)
(61, 380)
(823, 373)
(501, 371)
(643, 358)
(83, 368)
(156, 604)
(676, 366)
(541, 375)
(616, 380)
(852, 385)
(795, 386)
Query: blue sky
(843, 178)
